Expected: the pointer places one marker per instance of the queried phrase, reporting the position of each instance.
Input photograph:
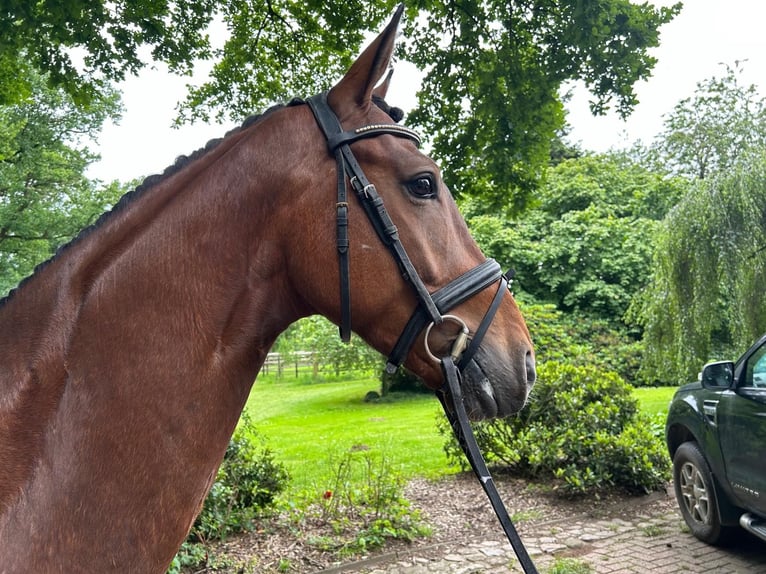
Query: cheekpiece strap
(338, 145)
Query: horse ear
(381, 89)
(356, 87)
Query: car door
(741, 415)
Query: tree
(320, 336)
(493, 71)
(45, 197)
(45, 35)
(491, 96)
(587, 245)
(705, 297)
(705, 133)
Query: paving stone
(492, 551)
(618, 546)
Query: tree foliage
(587, 245)
(705, 133)
(277, 49)
(705, 299)
(491, 94)
(493, 70)
(318, 335)
(45, 196)
(48, 35)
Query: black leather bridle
(432, 308)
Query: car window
(755, 369)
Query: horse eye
(422, 187)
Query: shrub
(247, 482)
(578, 339)
(401, 381)
(581, 426)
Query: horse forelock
(396, 114)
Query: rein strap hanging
(458, 419)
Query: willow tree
(705, 133)
(705, 300)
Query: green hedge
(581, 426)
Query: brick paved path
(654, 541)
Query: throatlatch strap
(458, 419)
(343, 256)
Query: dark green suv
(716, 434)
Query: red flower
(327, 494)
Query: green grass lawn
(654, 400)
(310, 426)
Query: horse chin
(491, 391)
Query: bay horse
(126, 359)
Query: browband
(337, 140)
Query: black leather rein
(432, 307)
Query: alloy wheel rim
(695, 493)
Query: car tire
(695, 494)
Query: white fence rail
(277, 363)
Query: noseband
(432, 307)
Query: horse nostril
(530, 364)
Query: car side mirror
(719, 375)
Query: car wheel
(695, 493)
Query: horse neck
(127, 361)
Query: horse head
(386, 295)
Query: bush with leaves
(247, 482)
(581, 339)
(581, 426)
(586, 246)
